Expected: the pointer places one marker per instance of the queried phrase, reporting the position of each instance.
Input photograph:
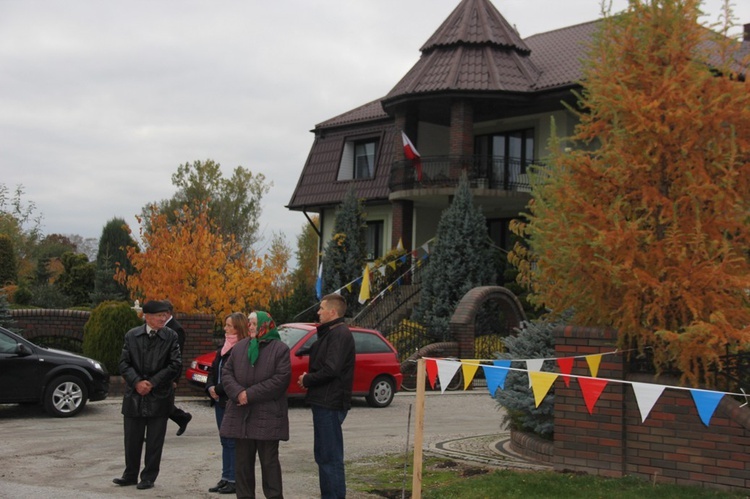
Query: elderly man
(149, 363)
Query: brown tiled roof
(558, 54)
(366, 112)
(475, 49)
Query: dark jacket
(329, 381)
(155, 359)
(214, 378)
(177, 328)
(266, 415)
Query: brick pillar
(593, 443)
(461, 129)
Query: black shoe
(219, 485)
(144, 484)
(227, 489)
(183, 425)
(123, 482)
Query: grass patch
(444, 478)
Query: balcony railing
(494, 172)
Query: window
(369, 343)
(358, 160)
(374, 240)
(507, 155)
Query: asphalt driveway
(78, 457)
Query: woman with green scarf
(256, 378)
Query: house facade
(480, 99)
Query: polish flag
(411, 153)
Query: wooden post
(416, 482)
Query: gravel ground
(44, 457)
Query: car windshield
(291, 335)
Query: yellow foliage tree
(189, 261)
(644, 226)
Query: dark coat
(266, 415)
(177, 328)
(155, 359)
(214, 378)
(329, 381)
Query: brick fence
(671, 446)
(46, 323)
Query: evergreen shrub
(104, 332)
(534, 341)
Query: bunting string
(540, 382)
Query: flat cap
(154, 307)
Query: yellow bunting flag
(593, 362)
(542, 382)
(364, 290)
(469, 368)
(400, 245)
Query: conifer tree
(460, 259)
(113, 251)
(643, 226)
(344, 255)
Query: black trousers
(178, 415)
(270, 468)
(153, 429)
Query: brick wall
(671, 446)
(35, 323)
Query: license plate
(200, 378)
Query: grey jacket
(155, 359)
(266, 415)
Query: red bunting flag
(432, 371)
(592, 388)
(566, 367)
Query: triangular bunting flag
(446, 370)
(541, 385)
(400, 245)
(469, 369)
(496, 377)
(349, 287)
(533, 365)
(593, 362)
(364, 289)
(566, 367)
(706, 402)
(592, 388)
(391, 264)
(646, 395)
(431, 367)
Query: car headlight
(193, 365)
(97, 365)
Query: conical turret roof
(475, 49)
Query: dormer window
(358, 160)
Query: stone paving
(493, 450)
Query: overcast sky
(101, 101)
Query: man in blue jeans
(329, 393)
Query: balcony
(494, 173)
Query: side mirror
(23, 350)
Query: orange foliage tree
(643, 225)
(198, 269)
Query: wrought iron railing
(491, 172)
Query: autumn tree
(460, 259)
(344, 255)
(201, 270)
(20, 221)
(234, 204)
(298, 304)
(643, 225)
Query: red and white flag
(411, 154)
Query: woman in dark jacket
(256, 378)
(235, 329)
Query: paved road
(78, 457)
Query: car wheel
(381, 392)
(65, 396)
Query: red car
(377, 371)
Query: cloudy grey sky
(100, 101)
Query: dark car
(62, 382)
(377, 371)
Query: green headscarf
(266, 331)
